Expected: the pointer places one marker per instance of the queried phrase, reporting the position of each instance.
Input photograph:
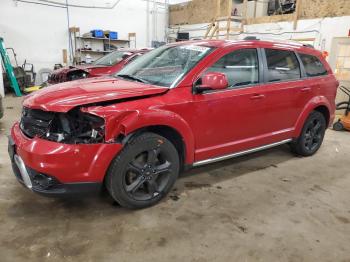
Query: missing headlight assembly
(73, 127)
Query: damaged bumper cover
(55, 169)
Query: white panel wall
(39, 33)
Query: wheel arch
(166, 124)
(320, 104)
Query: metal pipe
(81, 6)
(70, 43)
(167, 22)
(147, 23)
(154, 21)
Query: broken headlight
(76, 127)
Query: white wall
(39, 33)
(322, 29)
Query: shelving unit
(98, 47)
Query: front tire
(312, 134)
(143, 172)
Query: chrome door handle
(257, 96)
(305, 89)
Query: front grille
(35, 122)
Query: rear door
(284, 90)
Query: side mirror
(212, 81)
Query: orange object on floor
(344, 121)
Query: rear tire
(312, 134)
(143, 172)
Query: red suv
(106, 65)
(179, 106)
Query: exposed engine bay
(73, 127)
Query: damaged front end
(65, 75)
(73, 127)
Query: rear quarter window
(313, 66)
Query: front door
(227, 121)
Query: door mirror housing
(211, 81)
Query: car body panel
(211, 124)
(65, 96)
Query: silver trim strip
(241, 153)
(24, 173)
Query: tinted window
(282, 65)
(312, 65)
(240, 67)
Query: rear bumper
(61, 169)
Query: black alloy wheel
(312, 134)
(147, 174)
(143, 172)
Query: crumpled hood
(65, 96)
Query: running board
(241, 153)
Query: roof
(280, 44)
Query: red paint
(210, 124)
(214, 80)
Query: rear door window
(282, 65)
(313, 66)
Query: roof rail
(251, 38)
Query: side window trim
(261, 57)
(266, 68)
(301, 64)
(231, 50)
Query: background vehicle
(106, 65)
(181, 105)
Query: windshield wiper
(134, 78)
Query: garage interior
(265, 206)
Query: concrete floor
(269, 206)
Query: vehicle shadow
(209, 175)
(196, 178)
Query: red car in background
(106, 65)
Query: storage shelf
(107, 39)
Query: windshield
(112, 58)
(165, 66)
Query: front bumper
(54, 169)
